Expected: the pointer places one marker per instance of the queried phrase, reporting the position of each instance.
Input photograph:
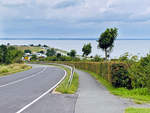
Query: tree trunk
(105, 54)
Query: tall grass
(13, 68)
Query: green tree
(39, 45)
(34, 57)
(31, 45)
(45, 46)
(72, 53)
(42, 52)
(87, 48)
(51, 52)
(27, 51)
(106, 40)
(10, 54)
(3, 53)
(58, 55)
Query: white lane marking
(14, 82)
(37, 99)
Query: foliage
(52, 58)
(10, 55)
(97, 58)
(61, 58)
(34, 57)
(27, 51)
(42, 52)
(39, 45)
(139, 95)
(129, 59)
(31, 45)
(51, 52)
(106, 40)
(72, 53)
(120, 76)
(87, 48)
(45, 46)
(58, 55)
(140, 73)
(101, 68)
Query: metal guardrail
(72, 68)
(71, 76)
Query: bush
(10, 54)
(97, 59)
(140, 73)
(120, 76)
(4, 69)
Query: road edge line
(37, 99)
(17, 81)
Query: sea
(133, 47)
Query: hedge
(104, 69)
(115, 73)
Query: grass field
(33, 49)
(137, 110)
(13, 68)
(139, 96)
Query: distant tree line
(10, 54)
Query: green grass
(140, 95)
(63, 87)
(13, 68)
(137, 110)
(33, 48)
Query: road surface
(20, 92)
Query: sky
(74, 18)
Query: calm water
(134, 47)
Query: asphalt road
(21, 89)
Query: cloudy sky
(74, 18)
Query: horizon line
(70, 39)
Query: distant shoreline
(61, 39)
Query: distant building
(40, 55)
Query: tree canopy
(10, 54)
(51, 52)
(27, 51)
(72, 53)
(106, 40)
(87, 49)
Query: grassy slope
(137, 110)
(33, 49)
(13, 68)
(62, 88)
(139, 95)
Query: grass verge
(137, 110)
(62, 88)
(140, 95)
(13, 68)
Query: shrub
(120, 76)
(3, 69)
(140, 73)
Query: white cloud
(83, 9)
(77, 13)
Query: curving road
(21, 89)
